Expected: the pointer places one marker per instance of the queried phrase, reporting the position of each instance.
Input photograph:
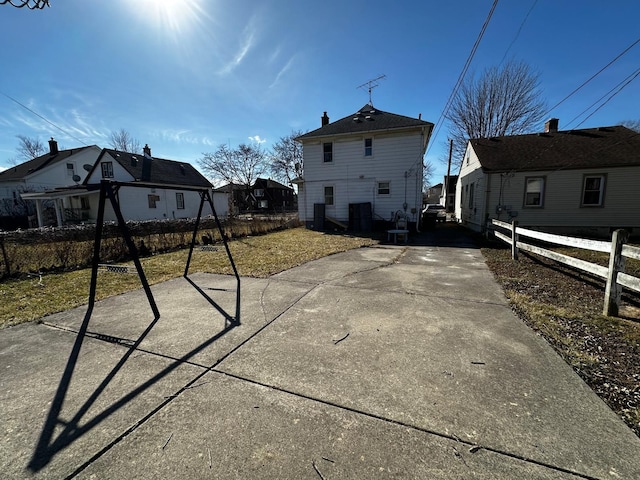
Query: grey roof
(367, 119)
(27, 168)
(615, 146)
(156, 170)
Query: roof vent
(356, 119)
(368, 117)
(372, 111)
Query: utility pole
(446, 180)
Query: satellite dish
(87, 167)
(76, 178)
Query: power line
(463, 72)
(518, 32)
(43, 118)
(596, 74)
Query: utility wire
(43, 118)
(518, 32)
(597, 73)
(462, 74)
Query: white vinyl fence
(617, 249)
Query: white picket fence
(617, 249)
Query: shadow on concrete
(49, 444)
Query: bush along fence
(70, 248)
(617, 249)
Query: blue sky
(187, 75)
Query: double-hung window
(593, 190)
(384, 188)
(180, 200)
(368, 147)
(328, 195)
(534, 192)
(327, 149)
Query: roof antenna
(371, 84)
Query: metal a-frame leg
(205, 196)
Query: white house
(362, 168)
(55, 169)
(163, 192)
(579, 182)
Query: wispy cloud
(186, 136)
(282, 71)
(257, 139)
(247, 42)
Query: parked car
(436, 210)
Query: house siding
(355, 176)
(561, 211)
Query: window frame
(179, 200)
(368, 149)
(327, 154)
(258, 192)
(333, 195)
(601, 190)
(106, 169)
(471, 194)
(542, 192)
(152, 198)
(379, 188)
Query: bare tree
(123, 141)
(502, 101)
(30, 4)
(427, 172)
(286, 162)
(29, 148)
(631, 125)
(241, 165)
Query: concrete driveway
(382, 362)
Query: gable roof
(367, 119)
(268, 183)
(27, 168)
(155, 170)
(615, 146)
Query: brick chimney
(146, 150)
(551, 125)
(53, 147)
(325, 119)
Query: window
(471, 195)
(84, 203)
(327, 148)
(534, 191)
(328, 195)
(384, 188)
(258, 192)
(180, 200)
(71, 170)
(107, 169)
(152, 200)
(593, 191)
(368, 147)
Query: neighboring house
(272, 196)
(55, 169)
(367, 165)
(80, 203)
(449, 199)
(433, 194)
(264, 196)
(578, 182)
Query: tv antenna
(371, 84)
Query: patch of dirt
(565, 307)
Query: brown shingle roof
(367, 119)
(615, 146)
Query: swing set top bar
(166, 186)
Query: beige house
(576, 182)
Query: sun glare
(176, 16)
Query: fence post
(613, 292)
(5, 258)
(514, 240)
